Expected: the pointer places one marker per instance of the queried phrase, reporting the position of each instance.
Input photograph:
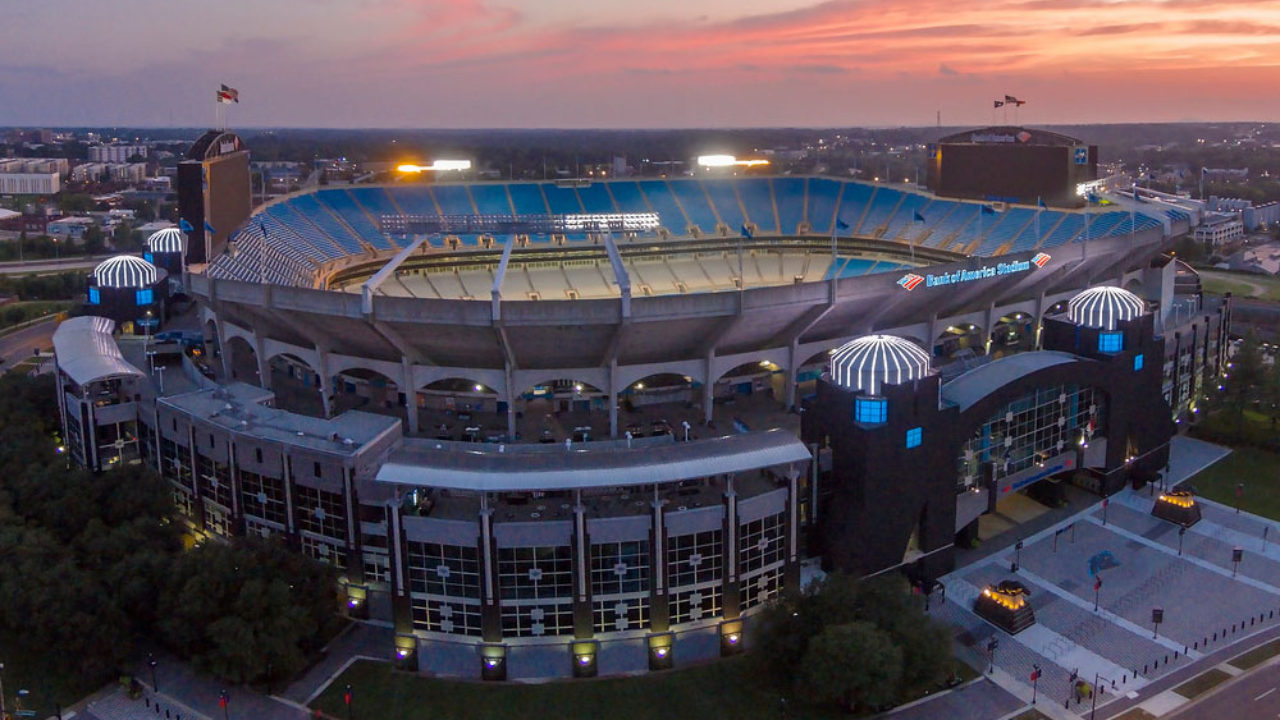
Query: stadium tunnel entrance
(460, 409)
(297, 386)
(368, 391)
(561, 409)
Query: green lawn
(1259, 470)
(724, 688)
(1201, 684)
(1257, 656)
(1262, 287)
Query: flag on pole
(209, 228)
(918, 217)
(227, 95)
(185, 226)
(746, 232)
(988, 210)
(841, 224)
(1011, 100)
(999, 103)
(1040, 202)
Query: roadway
(1253, 695)
(20, 344)
(51, 266)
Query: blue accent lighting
(871, 410)
(1110, 342)
(914, 437)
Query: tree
(854, 665)
(240, 608)
(1241, 381)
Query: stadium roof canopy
(971, 387)
(1104, 307)
(87, 352)
(125, 271)
(869, 361)
(518, 468)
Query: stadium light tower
(720, 161)
(436, 166)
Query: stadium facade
(595, 426)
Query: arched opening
(368, 391)
(1013, 333)
(243, 361)
(211, 339)
(808, 373)
(749, 397)
(296, 385)
(659, 404)
(1134, 285)
(560, 409)
(461, 409)
(959, 342)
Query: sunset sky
(636, 63)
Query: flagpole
(1039, 211)
(835, 257)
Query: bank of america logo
(1041, 259)
(910, 281)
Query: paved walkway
(360, 640)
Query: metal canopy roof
(87, 352)
(419, 462)
(971, 387)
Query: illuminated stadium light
(1104, 307)
(869, 361)
(626, 222)
(713, 161)
(437, 165)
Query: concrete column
(490, 609)
(510, 395)
(613, 400)
(793, 372)
(990, 328)
(264, 369)
(732, 592)
(791, 571)
(223, 350)
(933, 334)
(659, 610)
(326, 382)
(582, 614)
(410, 390)
(708, 391)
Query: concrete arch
(359, 388)
(341, 363)
(779, 358)
(958, 340)
(240, 360)
(301, 394)
(523, 380)
(626, 375)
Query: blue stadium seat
(725, 202)
(414, 200)
(342, 204)
(883, 203)
(627, 197)
(757, 198)
(1067, 231)
(289, 224)
(1028, 239)
(453, 199)
(853, 204)
(595, 199)
(821, 208)
(663, 203)
(311, 209)
(694, 201)
(527, 199)
(950, 223)
(790, 195)
(1010, 223)
(562, 201)
(491, 199)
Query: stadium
(580, 427)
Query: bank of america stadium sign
(911, 281)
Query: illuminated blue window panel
(149, 258)
(914, 437)
(145, 296)
(871, 410)
(1137, 362)
(1110, 342)
(95, 297)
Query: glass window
(145, 296)
(871, 410)
(1137, 362)
(95, 296)
(1110, 342)
(914, 437)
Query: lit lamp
(1178, 507)
(584, 658)
(661, 646)
(730, 637)
(357, 601)
(406, 652)
(493, 662)
(1005, 606)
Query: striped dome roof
(869, 361)
(125, 271)
(167, 240)
(1104, 307)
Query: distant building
(116, 153)
(71, 228)
(1253, 216)
(29, 183)
(1218, 229)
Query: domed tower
(877, 421)
(131, 291)
(167, 249)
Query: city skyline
(477, 63)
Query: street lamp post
(1182, 531)
(1017, 556)
(1035, 682)
(992, 644)
(346, 697)
(224, 699)
(151, 661)
(1097, 688)
(2, 712)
